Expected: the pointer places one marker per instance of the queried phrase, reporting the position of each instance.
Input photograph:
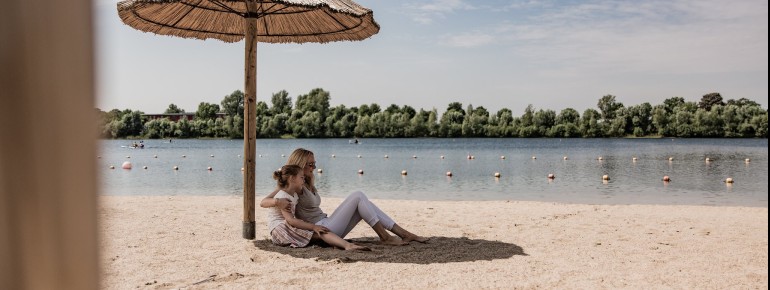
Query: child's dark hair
(282, 175)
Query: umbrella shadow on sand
(437, 250)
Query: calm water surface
(578, 179)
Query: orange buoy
(209, 168)
(729, 180)
(320, 170)
(666, 178)
(126, 165)
(403, 172)
(449, 173)
(551, 176)
(360, 171)
(606, 177)
(497, 174)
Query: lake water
(578, 179)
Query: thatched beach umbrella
(272, 21)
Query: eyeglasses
(311, 164)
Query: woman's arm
(300, 224)
(269, 201)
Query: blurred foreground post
(48, 194)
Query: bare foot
(416, 238)
(394, 241)
(354, 247)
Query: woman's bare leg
(335, 240)
(385, 237)
(407, 236)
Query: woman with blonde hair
(285, 229)
(354, 208)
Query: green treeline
(311, 116)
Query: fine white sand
(194, 242)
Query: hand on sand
(354, 247)
(394, 241)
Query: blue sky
(496, 54)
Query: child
(287, 230)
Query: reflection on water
(578, 178)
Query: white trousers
(353, 209)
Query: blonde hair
(299, 157)
(282, 175)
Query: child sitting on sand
(287, 230)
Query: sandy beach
(194, 242)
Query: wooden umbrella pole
(249, 127)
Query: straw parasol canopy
(278, 21)
(271, 21)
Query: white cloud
(428, 12)
(672, 37)
(469, 40)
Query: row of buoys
(469, 157)
(128, 165)
(502, 157)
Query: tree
(709, 123)
(232, 104)
(452, 121)
(315, 101)
(742, 102)
(281, 103)
(409, 111)
(504, 122)
(683, 120)
(709, 100)
(568, 116)
(473, 125)
(451, 124)
(456, 106)
(672, 103)
(393, 109)
(529, 114)
(132, 124)
(660, 121)
(207, 111)
(608, 107)
(639, 117)
(433, 126)
(589, 126)
(173, 109)
(543, 121)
